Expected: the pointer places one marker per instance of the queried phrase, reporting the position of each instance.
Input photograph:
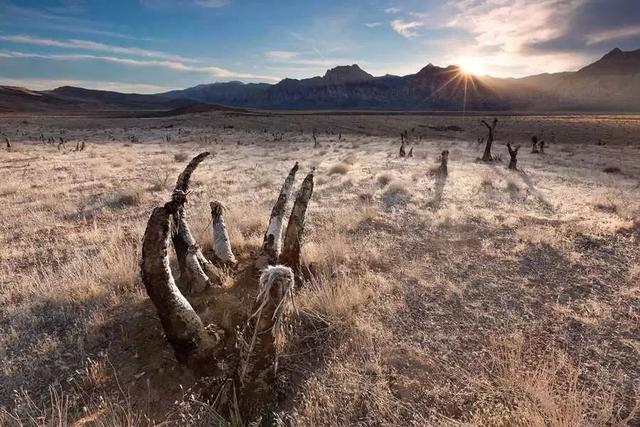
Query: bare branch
(183, 180)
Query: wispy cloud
(165, 4)
(212, 71)
(280, 54)
(46, 84)
(25, 17)
(406, 28)
(212, 3)
(612, 34)
(392, 10)
(94, 46)
(373, 24)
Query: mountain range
(610, 84)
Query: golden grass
(513, 305)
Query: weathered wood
(183, 328)
(272, 242)
(221, 244)
(295, 228)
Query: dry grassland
(493, 297)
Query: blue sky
(154, 45)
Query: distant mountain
(68, 98)
(610, 84)
(614, 63)
(350, 87)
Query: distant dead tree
(7, 143)
(77, 146)
(316, 144)
(62, 144)
(402, 149)
(411, 152)
(513, 153)
(444, 161)
(486, 157)
(534, 144)
(541, 144)
(238, 340)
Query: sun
(472, 66)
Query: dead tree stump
(486, 156)
(444, 161)
(534, 144)
(240, 331)
(513, 153)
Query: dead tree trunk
(513, 153)
(411, 152)
(444, 161)
(316, 144)
(295, 228)
(486, 156)
(272, 242)
(192, 344)
(541, 144)
(7, 143)
(534, 144)
(245, 351)
(221, 245)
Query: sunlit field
(487, 296)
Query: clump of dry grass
(398, 188)
(523, 386)
(128, 197)
(181, 157)
(339, 168)
(384, 179)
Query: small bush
(339, 168)
(611, 169)
(180, 157)
(384, 179)
(130, 197)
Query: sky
(150, 46)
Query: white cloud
(278, 55)
(392, 10)
(614, 34)
(406, 28)
(373, 24)
(212, 3)
(94, 46)
(510, 25)
(212, 71)
(46, 84)
(165, 4)
(502, 33)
